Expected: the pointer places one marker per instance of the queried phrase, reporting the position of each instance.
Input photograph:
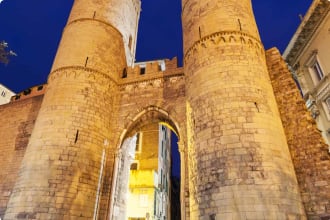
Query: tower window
(3, 93)
(318, 73)
(142, 70)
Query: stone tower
(59, 175)
(239, 163)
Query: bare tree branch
(4, 53)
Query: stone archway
(149, 115)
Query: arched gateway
(236, 163)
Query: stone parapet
(29, 93)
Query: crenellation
(153, 70)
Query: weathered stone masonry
(249, 149)
(308, 151)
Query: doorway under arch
(128, 166)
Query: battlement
(151, 70)
(29, 93)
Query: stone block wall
(239, 162)
(17, 121)
(308, 150)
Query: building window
(317, 71)
(134, 166)
(3, 93)
(327, 102)
(315, 68)
(326, 107)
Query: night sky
(33, 30)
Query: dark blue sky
(33, 30)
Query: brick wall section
(17, 121)
(309, 152)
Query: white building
(308, 53)
(142, 185)
(5, 94)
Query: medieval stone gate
(245, 149)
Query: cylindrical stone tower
(239, 163)
(60, 172)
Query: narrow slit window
(77, 135)
(124, 73)
(240, 24)
(86, 61)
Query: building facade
(248, 146)
(308, 55)
(149, 180)
(5, 94)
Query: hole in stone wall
(256, 104)
(27, 91)
(94, 14)
(240, 25)
(86, 61)
(124, 73)
(212, 217)
(77, 135)
(200, 32)
(40, 88)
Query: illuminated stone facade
(243, 153)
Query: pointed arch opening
(146, 182)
